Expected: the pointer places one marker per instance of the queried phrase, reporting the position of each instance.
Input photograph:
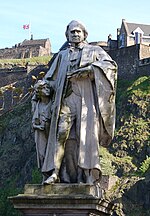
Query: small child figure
(41, 119)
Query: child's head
(42, 89)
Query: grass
(23, 62)
(141, 87)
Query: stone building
(130, 34)
(131, 49)
(27, 49)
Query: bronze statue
(83, 78)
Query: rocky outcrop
(17, 152)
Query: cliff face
(133, 119)
(127, 157)
(17, 145)
(130, 150)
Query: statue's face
(43, 91)
(75, 34)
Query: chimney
(31, 37)
(109, 41)
(118, 31)
(109, 37)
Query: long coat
(105, 75)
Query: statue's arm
(83, 72)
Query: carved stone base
(61, 200)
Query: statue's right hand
(39, 127)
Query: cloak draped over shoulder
(105, 75)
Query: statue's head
(76, 32)
(42, 88)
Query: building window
(122, 40)
(138, 38)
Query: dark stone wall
(144, 69)
(128, 60)
(15, 85)
(12, 75)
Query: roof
(143, 27)
(40, 42)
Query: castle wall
(9, 53)
(144, 67)
(144, 51)
(48, 46)
(129, 61)
(23, 52)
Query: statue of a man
(83, 77)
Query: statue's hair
(78, 24)
(39, 84)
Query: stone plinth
(61, 200)
(107, 181)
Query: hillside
(128, 156)
(129, 153)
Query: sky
(49, 18)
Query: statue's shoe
(52, 179)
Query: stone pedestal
(61, 200)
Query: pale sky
(49, 18)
